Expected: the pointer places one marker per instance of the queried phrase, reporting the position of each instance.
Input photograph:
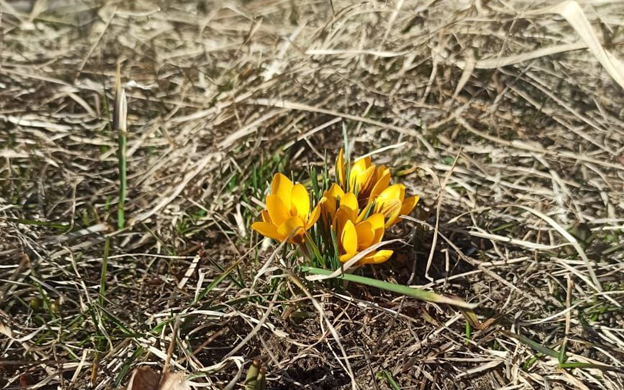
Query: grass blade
(387, 376)
(397, 288)
(104, 271)
(535, 345)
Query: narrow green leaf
(562, 353)
(534, 344)
(251, 380)
(388, 377)
(601, 367)
(217, 281)
(397, 288)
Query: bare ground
(527, 223)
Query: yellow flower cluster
(358, 208)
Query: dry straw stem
(221, 96)
(574, 14)
(120, 127)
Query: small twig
(437, 221)
(120, 116)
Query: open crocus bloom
(372, 185)
(356, 236)
(392, 204)
(288, 210)
(365, 179)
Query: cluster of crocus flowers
(355, 231)
(372, 185)
(357, 209)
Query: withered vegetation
(506, 117)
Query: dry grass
(221, 94)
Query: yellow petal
(332, 195)
(377, 223)
(300, 201)
(329, 209)
(393, 212)
(350, 203)
(267, 230)
(396, 191)
(390, 200)
(314, 215)
(388, 207)
(290, 225)
(365, 211)
(340, 220)
(282, 187)
(277, 210)
(348, 238)
(335, 191)
(265, 216)
(377, 257)
(365, 235)
(345, 214)
(360, 181)
(409, 204)
(349, 200)
(358, 168)
(346, 257)
(361, 164)
(382, 183)
(340, 169)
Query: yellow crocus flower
(356, 236)
(368, 180)
(392, 204)
(365, 179)
(372, 185)
(287, 210)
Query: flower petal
(409, 204)
(383, 181)
(315, 214)
(277, 210)
(332, 195)
(300, 201)
(365, 211)
(390, 200)
(340, 220)
(340, 169)
(349, 238)
(265, 216)
(292, 223)
(335, 191)
(388, 207)
(359, 167)
(377, 222)
(365, 235)
(361, 164)
(349, 202)
(396, 191)
(282, 187)
(346, 257)
(393, 212)
(377, 257)
(360, 180)
(267, 230)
